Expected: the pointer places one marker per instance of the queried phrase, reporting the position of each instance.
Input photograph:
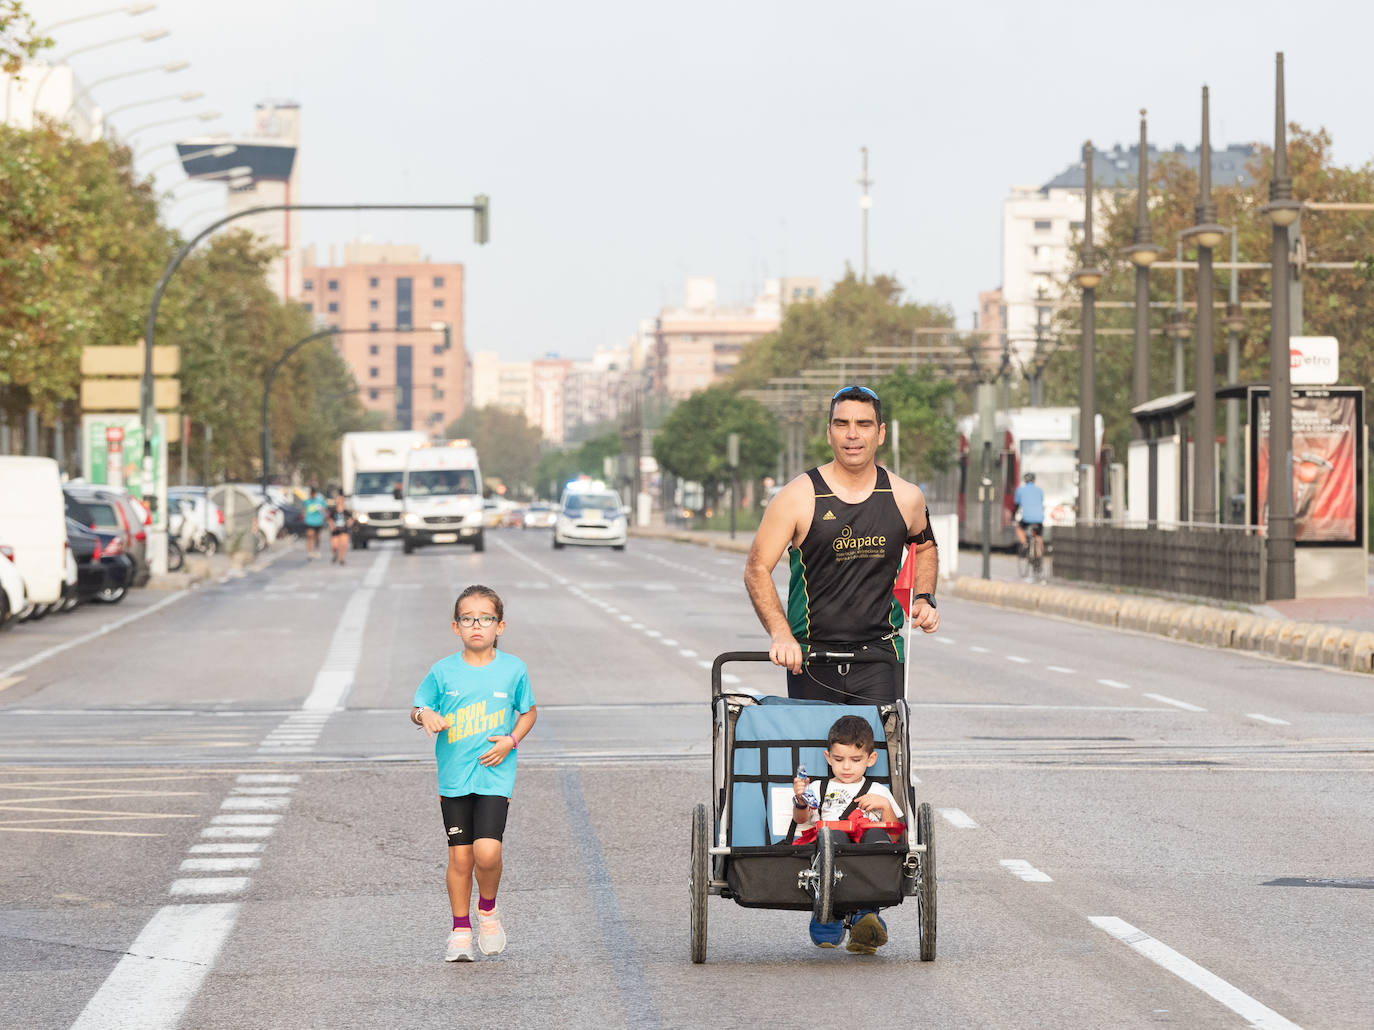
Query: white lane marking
(335, 678)
(943, 640)
(219, 865)
(153, 983)
(1259, 1016)
(226, 849)
(978, 650)
(1062, 669)
(255, 791)
(636, 625)
(668, 642)
(249, 804)
(1020, 867)
(1017, 659)
(1267, 718)
(10, 681)
(703, 663)
(269, 778)
(1115, 684)
(729, 677)
(956, 817)
(236, 831)
(1176, 703)
(95, 634)
(687, 653)
(201, 886)
(246, 820)
(652, 633)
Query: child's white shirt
(839, 795)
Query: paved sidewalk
(1335, 631)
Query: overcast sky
(629, 143)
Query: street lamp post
(185, 98)
(1143, 253)
(1208, 234)
(1087, 277)
(223, 150)
(1282, 210)
(169, 68)
(201, 116)
(1235, 326)
(151, 36)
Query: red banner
(1324, 467)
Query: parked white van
(441, 496)
(14, 599)
(33, 521)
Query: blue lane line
(620, 945)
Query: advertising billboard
(112, 451)
(1328, 449)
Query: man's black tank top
(842, 575)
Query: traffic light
(481, 218)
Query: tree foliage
(80, 247)
(507, 444)
(557, 467)
(923, 403)
(19, 38)
(1335, 302)
(851, 318)
(692, 441)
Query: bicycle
(1030, 562)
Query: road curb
(1317, 643)
(738, 546)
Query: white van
(33, 521)
(441, 496)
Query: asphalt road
(216, 814)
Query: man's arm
(925, 555)
(777, 529)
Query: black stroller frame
(833, 876)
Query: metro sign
(1314, 360)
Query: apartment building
(391, 307)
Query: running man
(843, 525)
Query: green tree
(506, 443)
(691, 443)
(557, 466)
(1335, 302)
(80, 246)
(851, 318)
(923, 402)
(18, 36)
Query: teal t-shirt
(314, 512)
(477, 702)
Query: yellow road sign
(123, 395)
(128, 360)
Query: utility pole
(865, 202)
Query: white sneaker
(459, 947)
(491, 936)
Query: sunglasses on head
(862, 389)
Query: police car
(590, 513)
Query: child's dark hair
(852, 731)
(477, 590)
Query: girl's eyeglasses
(468, 621)
(862, 389)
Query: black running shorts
(474, 816)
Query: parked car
(109, 511)
(104, 568)
(206, 529)
(13, 598)
(31, 524)
(541, 516)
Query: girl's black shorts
(474, 816)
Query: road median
(1335, 646)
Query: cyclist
(1030, 499)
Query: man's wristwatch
(928, 598)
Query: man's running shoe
(459, 947)
(827, 935)
(491, 936)
(867, 933)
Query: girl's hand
(501, 747)
(432, 721)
